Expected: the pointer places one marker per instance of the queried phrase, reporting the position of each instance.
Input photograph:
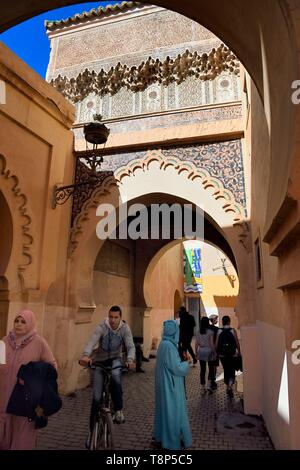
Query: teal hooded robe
(171, 424)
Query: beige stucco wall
(36, 147)
(165, 279)
(269, 385)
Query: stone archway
(153, 313)
(156, 174)
(19, 237)
(6, 241)
(6, 234)
(15, 243)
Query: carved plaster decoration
(78, 224)
(20, 211)
(192, 172)
(138, 78)
(153, 101)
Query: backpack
(226, 343)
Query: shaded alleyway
(208, 417)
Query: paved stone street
(216, 421)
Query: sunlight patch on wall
(283, 406)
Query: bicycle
(102, 436)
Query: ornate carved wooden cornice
(138, 78)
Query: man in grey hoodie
(109, 337)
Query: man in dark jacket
(186, 326)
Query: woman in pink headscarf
(23, 345)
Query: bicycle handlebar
(108, 369)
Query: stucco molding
(193, 172)
(17, 202)
(138, 78)
(229, 204)
(92, 203)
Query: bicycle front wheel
(104, 437)
(108, 432)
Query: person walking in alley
(228, 347)
(186, 326)
(213, 320)
(109, 338)
(205, 350)
(171, 424)
(23, 345)
(139, 357)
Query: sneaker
(119, 417)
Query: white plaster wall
(275, 395)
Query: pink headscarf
(30, 320)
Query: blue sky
(29, 40)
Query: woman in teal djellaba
(171, 424)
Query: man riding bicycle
(110, 335)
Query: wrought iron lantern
(95, 133)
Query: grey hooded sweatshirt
(110, 342)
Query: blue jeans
(116, 387)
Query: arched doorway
(167, 183)
(217, 292)
(6, 241)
